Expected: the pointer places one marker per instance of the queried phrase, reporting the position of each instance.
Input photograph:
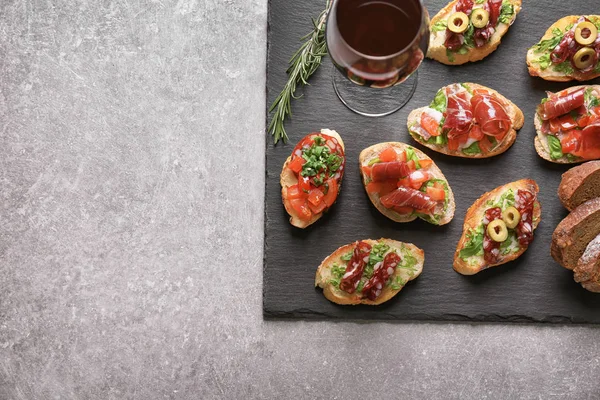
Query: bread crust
(437, 50)
(323, 274)
(287, 178)
(587, 271)
(475, 215)
(540, 142)
(514, 112)
(568, 234)
(572, 180)
(549, 74)
(373, 151)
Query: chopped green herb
(408, 260)
(374, 161)
(506, 12)
(320, 163)
(397, 283)
(439, 26)
(469, 36)
(466, 87)
(555, 147)
(479, 1)
(591, 100)
(564, 67)
(337, 272)
(411, 155)
(439, 102)
(463, 50)
(548, 45)
(544, 61)
(450, 55)
(571, 157)
(506, 246)
(347, 256)
(474, 244)
(361, 285)
(472, 149)
(507, 199)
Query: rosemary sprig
(301, 66)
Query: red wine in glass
(378, 44)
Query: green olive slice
(480, 17)
(584, 58)
(458, 22)
(588, 29)
(497, 230)
(511, 217)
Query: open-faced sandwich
(404, 184)
(580, 184)
(469, 30)
(369, 271)
(570, 49)
(568, 125)
(311, 177)
(498, 227)
(467, 120)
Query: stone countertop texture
(131, 230)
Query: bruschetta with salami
(470, 30)
(467, 120)
(498, 227)
(568, 125)
(404, 184)
(368, 271)
(311, 177)
(569, 50)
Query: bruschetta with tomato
(470, 30)
(467, 120)
(498, 227)
(369, 271)
(568, 125)
(404, 184)
(311, 177)
(569, 50)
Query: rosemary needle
(301, 66)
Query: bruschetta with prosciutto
(568, 125)
(467, 120)
(404, 184)
(311, 177)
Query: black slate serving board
(533, 288)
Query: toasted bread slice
(411, 267)
(580, 184)
(474, 219)
(550, 73)
(288, 178)
(541, 140)
(587, 271)
(372, 152)
(516, 116)
(573, 234)
(438, 51)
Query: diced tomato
(425, 163)
(374, 187)
(403, 182)
(388, 155)
(304, 183)
(475, 133)
(332, 192)
(567, 122)
(315, 196)
(411, 165)
(584, 121)
(596, 110)
(417, 178)
(300, 206)
(554, 125)
(367, 170)
(401, 157)
(453, 144)
(296, 164)
(570, 141)
(294, 192)
(438, 185)
(403, 210)
(318, 208)
(430, 125)
(485, 145)
(436, 193)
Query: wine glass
(376, 44)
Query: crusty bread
(324, 276)
(580, 184)
(575, 232)
(549, 73)
(514, 112)
(540, 141)
(437, 50)
(587, 271)
(288, 178)
(474, 217)
(371, 152)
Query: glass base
(373, 102)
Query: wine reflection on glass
(380, 45)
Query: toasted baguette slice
(514, 112)
(438, 51)
(474, 219)
(541, 140)
(587, 271)
(573, 234)
(550, 73)
(372, 152)
(402, 274)
(288, 178)
(580, 184)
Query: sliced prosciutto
(589, 142)
(567, 46)
(381, 172)
(459, 117)
(491, 116)
(558, 105)
(409, 197)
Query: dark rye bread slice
(575, 232)
(587, 271)
(579, 185)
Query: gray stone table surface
(131, 229)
